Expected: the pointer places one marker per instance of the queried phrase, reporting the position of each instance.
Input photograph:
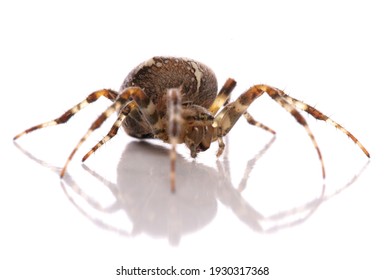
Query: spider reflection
(152, 209)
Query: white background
(120, 212)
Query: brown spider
(175, 100)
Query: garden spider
(175, 100)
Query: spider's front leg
(230, 114)
(222, 99)
(223, 96)
(320, 116)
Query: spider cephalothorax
(176, 100)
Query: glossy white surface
(116, 209)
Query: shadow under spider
(142, 194)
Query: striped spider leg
(109, 94)
(226, 119)
(128, 99)
(222, 101)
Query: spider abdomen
(155, 76)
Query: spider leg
(121, 101)
(320, 116)
(252, 121)
(221, 146)
(222, 99)
(110, 94)
(223, 96)
(175, 119)
(114, 129)
(226, 119)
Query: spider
(176, 100)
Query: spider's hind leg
(113, 131)
(109, 94)
(122, 99)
